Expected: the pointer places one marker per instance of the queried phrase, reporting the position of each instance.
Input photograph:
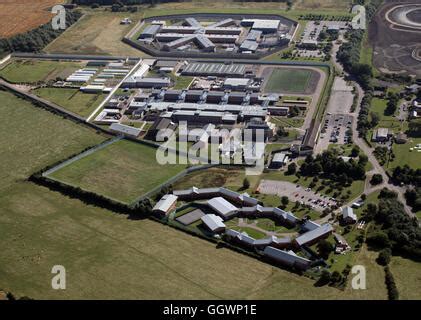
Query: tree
(376, 179)
(325, 248)
(246, 183)
(292, 168)
(284, 201)
(375, 119)
(384, 257)
(281, 132)
(355, 152)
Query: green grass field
(403, 154)
(122, 171)
(407, 274)
(106, 255)
(72, 99)
(32, 71)
(288, 81)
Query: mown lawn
(32, 71)
(407, 274)
(122, 171)
(73, 100)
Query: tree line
(36, 39)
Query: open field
(322, 4)
(122, 171)
(405, 156)
(32, 71)
(407, 274)
(27, 139)
(97, 32)
(72, 99)
(19, 16)
(106, 255)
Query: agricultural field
(19, 16)
(122, 171)
(71, 99)
(33, 71)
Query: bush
(384, 257)
(376, 179)
(392, 290)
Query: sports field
(72, 99)
(105, 254)
(32, 71)
(122, 171)
(284, 80)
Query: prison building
(179, 29)
(150, 31)
(315, 235)
(147, 83)
(273, 241)
(174, 44)
(287, 258)
(259, 211)
(348, 215)
(159, 129)
(214, 69)
(278, 111)
(254, 35)
(310, 137)
(223, 30)
(215, 97)
(236, 97)
(249, 45)
(214, 223)
(309, 226)
(172, 95)
(204, 43)
(236, 83)
(193, 95)
(249, 113)
(125, 130)
(241, 238)
(265, 26)
(166, 205)
(208, 193)
(192, 22)
(223, 208)
(223, 23)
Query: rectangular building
(214, 223)
(167, 204)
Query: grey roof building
(310, 225)
(312, 236)
(213, 223)
(167, 203)
(125, 130)
(224, 208)
(288, 258)
(348, 215)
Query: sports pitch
(289, 81)
(122, 171)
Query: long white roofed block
(224, 208)
(213, 222)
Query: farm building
(381, 135)
(279, 160)
(164, 206)
(214, 69)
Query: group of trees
(392, 104)
(395, 230)
(35, 40)
(336, 169)
(408, 176)
(364, 124)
